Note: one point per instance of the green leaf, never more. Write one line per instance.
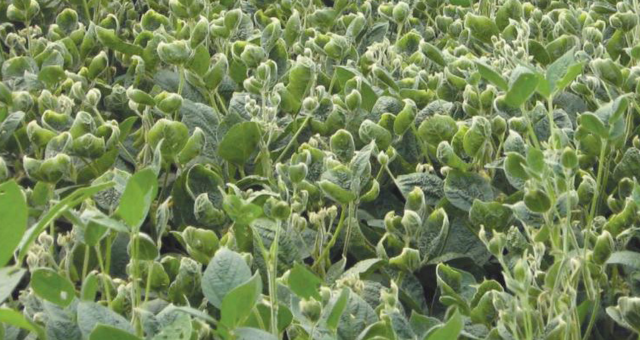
(67, 203)
(90, 287)
(495, 78)
(18, 319)
(535, 160)
(226, 271)
(246, 333)
(91, 314)
(514, 168)
(238, 304)
(304, 283)
(51, 75)
(626, 258)
(300, 80)
(461, 3)
(344, 74)
(562, 72)
(450, 330)
(431, 185)
(13, 219)
(137, 197)
(634, 52)
(462, 188)
(179, 328)
(53, 287)
(421, 324)
(593, 124)
(239, 143)
(105, 332)
(99, 218)
(492, 215)
(10, 277)
(363, 268)
(481, 27)
(109, 38)
(337, 308)
(522, 85)
(239, 210)
(433, 53)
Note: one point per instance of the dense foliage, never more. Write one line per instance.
(306, 169)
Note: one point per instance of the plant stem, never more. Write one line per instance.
(550, 114)
(182, 80)
(334, 238)
(592, 320)
(293, 139)
(222, 104)
(105, 283)
(592, 210)
(273, 273)
(85, 263)
(134, 284)
(85, 9)
(147, 287)
(350, 217)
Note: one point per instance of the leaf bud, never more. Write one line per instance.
(401, 12)
(408, 260)
(297, 172)
(311, 309)
(342, 145)
(177, 52)
(537, 200)
(569, 158)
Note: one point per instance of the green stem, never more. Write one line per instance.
(294, 138)
(96, 12)
(222, 104)
(85, 263)
(592, 319)
(350, 217)
(596, 198)
(134, 285)
(532, 133)
(273, 273)
(147, 287)
(182, 80)
(550, 113)
(334, 238)
(85, 9)
(105, 283)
